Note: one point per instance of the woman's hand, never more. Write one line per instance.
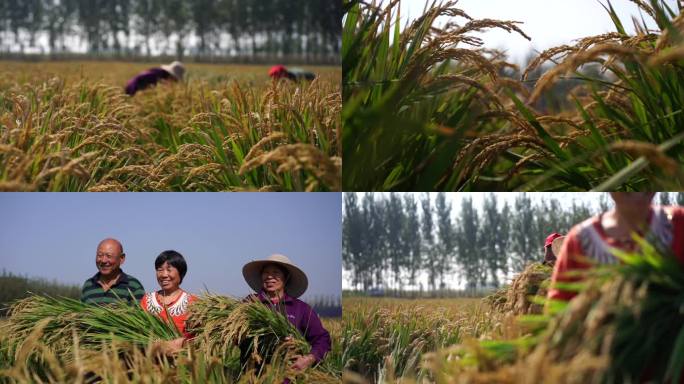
(303, 362)
(168, 347)
(174, 346)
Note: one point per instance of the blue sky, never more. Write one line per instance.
(548, 22)
(55, 235)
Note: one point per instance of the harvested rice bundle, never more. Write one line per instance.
(532, 281)
(62, 318)
(497, 300)
(517, 297)
(223, 323)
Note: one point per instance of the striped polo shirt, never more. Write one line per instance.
(92, 292)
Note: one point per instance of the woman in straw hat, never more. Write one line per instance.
(590, 242)
(278, 284)
(170, 72)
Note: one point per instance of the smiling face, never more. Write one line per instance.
(109, 257)
(273, 279)
(168, 277)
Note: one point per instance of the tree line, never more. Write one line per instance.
(390, 240)
(309, 30)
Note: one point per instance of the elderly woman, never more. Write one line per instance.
(593, 238)
(170, 301)
(278, 284)
(152, 76)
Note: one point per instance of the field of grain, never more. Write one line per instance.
(68, 126)
(625, 325)
(427, 108)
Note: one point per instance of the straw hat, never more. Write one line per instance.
(557, 244)
(177, 69)
(294, 287)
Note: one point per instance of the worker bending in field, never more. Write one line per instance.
(552, 247)
(294, 74)
(593, 239)
(171, 72)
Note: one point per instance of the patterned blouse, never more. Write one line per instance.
(178, 309)
(589, 240)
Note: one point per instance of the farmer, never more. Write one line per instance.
(170, 300)
(294, 74)
(551, 248)
(110, 283)
(171, 72)
(593, 238)
(279, 283)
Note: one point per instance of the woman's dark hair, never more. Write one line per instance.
(174, 259)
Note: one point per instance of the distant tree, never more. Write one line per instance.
(429, 249)
(412, 238)
(522, 237)
(502, 240)
(445, 235)
(352, 238)
(146, 19)
(493, 237)
(374, 245)
(394, 218)
(471, 258)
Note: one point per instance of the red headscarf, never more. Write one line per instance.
(550, 238)
(277, 71)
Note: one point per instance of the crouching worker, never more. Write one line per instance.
(170, 301)
(171, 72)
(278, 284)
(294, 74)
(552, 247)
(593, 239)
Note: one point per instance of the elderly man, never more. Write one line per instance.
(110, 283)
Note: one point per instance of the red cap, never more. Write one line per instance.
(550, 238)
(277, 71)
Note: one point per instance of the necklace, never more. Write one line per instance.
(166, 300)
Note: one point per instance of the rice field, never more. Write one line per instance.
(426, 108)
(68, 126)
(625, 325)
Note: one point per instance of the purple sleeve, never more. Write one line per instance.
(316, 335)
(145, 80)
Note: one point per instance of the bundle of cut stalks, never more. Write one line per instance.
(625, 325)
(517, 297)
(223, 324)
(62, 318)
